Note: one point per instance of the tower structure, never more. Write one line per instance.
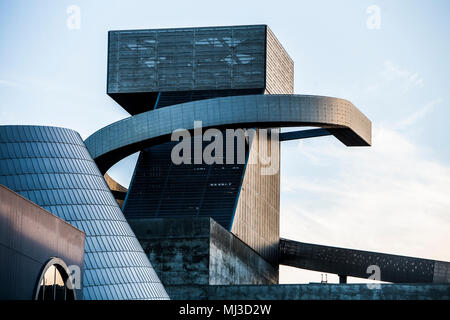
(153, 69)
(208, 229)
(226, 77)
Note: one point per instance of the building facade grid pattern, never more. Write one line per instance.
(213, 58)
(279, 67)
(162, 189)
(52, 167)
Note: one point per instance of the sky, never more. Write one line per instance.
(393, 66)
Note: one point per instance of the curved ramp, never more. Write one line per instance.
(120, 139)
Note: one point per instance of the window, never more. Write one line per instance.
(53, 284)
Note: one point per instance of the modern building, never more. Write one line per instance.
(198, 230)
(154, 69)
(225, 77)
(221, 71)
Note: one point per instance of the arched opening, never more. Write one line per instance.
(54, 282)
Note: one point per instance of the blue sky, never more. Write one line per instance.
(392, 197)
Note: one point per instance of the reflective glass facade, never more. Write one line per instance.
(162, 189)
(161, 67)
(52, 167)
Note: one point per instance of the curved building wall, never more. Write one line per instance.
(52, 167)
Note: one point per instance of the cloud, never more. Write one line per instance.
(418, 115)
(387, 198)
(391, 73)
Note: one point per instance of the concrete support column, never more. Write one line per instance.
(342, 278)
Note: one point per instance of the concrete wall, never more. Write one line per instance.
(318, 292)
(331, 292)
(177, 248)
(233, 262)
(189, 254)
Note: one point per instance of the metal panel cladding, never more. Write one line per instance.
(280, 67)
(149, 69)
(187, 59)
(52, 167)
(29, 238)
